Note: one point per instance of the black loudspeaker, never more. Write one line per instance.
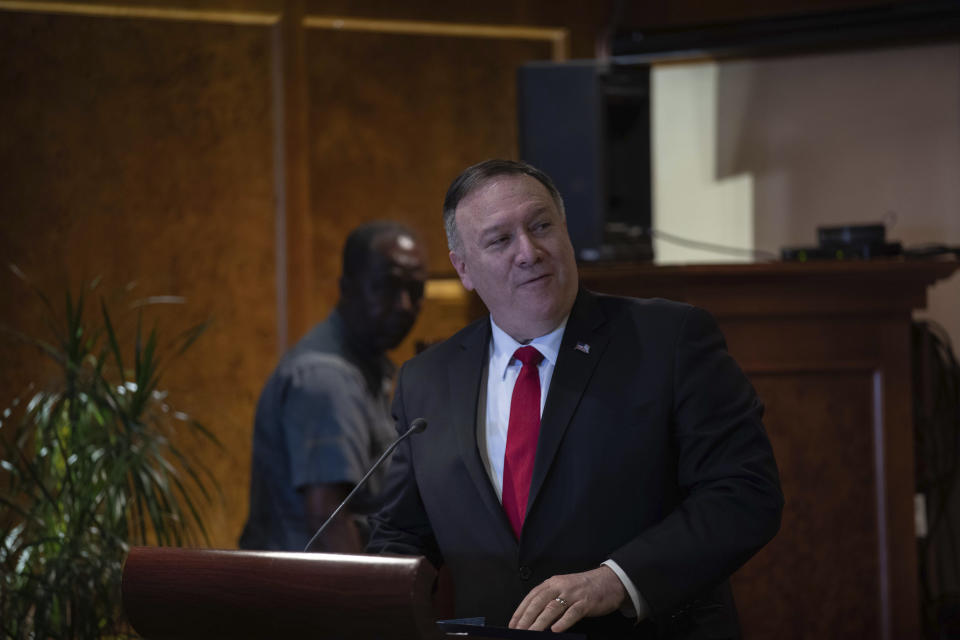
(587, 125)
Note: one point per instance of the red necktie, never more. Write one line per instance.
(522, 433)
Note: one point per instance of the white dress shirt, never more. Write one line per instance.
(502, 372)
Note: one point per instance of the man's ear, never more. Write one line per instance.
(461, 268)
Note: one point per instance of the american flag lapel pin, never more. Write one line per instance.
(583, 346)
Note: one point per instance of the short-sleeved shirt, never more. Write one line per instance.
(322, 418)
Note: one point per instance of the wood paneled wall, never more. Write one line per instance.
(132, 149)
(222, 150)
(384, 142)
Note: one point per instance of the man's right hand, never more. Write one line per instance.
(561, 601)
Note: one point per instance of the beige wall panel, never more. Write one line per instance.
(141, 149)
(392, 120)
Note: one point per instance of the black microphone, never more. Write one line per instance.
(416, 426)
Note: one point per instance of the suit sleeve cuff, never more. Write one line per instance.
(636, 606)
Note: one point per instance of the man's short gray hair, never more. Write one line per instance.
(478, 175)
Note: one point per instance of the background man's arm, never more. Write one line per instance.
(328, 438)
(342, 534)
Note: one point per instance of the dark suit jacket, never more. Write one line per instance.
(651, 453)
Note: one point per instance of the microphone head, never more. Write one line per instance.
(417, 426)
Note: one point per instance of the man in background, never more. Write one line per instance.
(593, 462)
(323, 416)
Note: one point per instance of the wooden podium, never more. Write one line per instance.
(194, 593)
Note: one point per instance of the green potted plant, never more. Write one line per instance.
(90, 467)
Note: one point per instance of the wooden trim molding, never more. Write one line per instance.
(294, 252)
(446, 289)
(559, 38)
(280, 187)
(884, 561)
(153, 13)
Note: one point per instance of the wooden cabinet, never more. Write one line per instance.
(827, 346)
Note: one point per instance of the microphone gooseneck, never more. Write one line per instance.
(417, 426)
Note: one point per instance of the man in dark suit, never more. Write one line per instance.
(593, 463)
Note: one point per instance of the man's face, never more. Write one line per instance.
(383, 302)
(516, 252)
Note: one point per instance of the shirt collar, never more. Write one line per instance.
(502, 346)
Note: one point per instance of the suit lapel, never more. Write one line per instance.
(580, 350)
(464, 371)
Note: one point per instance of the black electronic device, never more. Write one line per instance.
(587, 125)
(845, 242)
(851, 252)
(852, 234)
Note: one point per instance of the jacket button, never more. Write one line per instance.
(525, 573)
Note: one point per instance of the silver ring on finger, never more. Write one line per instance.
(561, 602)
